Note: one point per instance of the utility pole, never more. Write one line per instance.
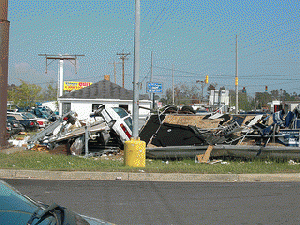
(136, 72)
(115, 70)
(4, 43)
(151, 80)
(123, 57)
(61, 59)
(236, 79)
(173, 102)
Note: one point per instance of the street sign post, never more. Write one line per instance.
(154, 87)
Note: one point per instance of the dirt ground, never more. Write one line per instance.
(11, 149)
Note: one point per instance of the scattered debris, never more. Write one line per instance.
(215, 161)
(173, 133)
(177, 135)
(204, 158)
(292, 162)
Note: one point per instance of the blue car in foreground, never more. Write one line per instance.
(16, 208)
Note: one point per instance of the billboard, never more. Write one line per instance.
(73, 85)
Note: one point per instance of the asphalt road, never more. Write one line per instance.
(134, 202)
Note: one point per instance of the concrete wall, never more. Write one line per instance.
(83, 109)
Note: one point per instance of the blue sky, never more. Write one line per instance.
(196, 37)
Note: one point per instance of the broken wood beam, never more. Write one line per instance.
(204, 158)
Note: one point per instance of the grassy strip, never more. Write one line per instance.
(45, 161)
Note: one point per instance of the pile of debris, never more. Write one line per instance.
(104, 132)
(172, 133)
(245, 135)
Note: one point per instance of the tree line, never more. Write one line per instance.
(187, 95)
(27, 94)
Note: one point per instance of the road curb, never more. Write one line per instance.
(172, 177)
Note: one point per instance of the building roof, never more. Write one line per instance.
(103, 89)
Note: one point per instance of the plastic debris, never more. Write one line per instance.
(292, 162)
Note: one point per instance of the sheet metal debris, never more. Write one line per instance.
(104, 132)
(173, 133)
(244, 135)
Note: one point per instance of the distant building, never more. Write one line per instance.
(218, 99)
(277, 105)
(88, 99)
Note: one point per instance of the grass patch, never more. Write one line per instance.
(45, 161)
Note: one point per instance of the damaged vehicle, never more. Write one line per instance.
(106, 131)
(174, 132)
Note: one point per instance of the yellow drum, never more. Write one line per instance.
(135, 153)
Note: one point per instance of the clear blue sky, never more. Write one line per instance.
(197, 37)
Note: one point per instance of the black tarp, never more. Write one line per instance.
(176, 135)
(151, 127)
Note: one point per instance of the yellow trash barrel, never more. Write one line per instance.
(135, 153)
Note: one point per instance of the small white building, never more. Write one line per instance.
(88, 99)
(219, 99)
(277, 105)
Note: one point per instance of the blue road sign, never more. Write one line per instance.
(154, 87)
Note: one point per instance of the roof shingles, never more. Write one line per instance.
(103, 89)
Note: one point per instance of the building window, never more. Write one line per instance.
(66, 107)
(95, 107)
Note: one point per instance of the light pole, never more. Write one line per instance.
(136, 74)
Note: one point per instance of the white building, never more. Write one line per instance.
(86, 100)
(219, 98)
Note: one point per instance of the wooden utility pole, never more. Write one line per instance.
(115, 70)
(173, 100)
(4, 43)
(151, 80)
(123, 57)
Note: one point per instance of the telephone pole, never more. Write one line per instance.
(4, 41)
(151, 80)
(173, 100)
(123, 57)
(115, 70)
(61, 59)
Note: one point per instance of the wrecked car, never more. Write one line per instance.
(118, 119)
(107, 130)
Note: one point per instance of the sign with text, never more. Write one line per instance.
(73, 85)
(154, 87)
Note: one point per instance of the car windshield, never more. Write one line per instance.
(128, 121)
(46, 113)
(121, 112)
(14, 117)
(28, 115)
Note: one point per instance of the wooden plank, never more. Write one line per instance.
(204, 158)
(193, 120)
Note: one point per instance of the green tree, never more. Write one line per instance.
(246, 102)
(24, 95)
(262, 99)
(50, 93)
(183, 95)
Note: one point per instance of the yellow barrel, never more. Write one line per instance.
(135, 153)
